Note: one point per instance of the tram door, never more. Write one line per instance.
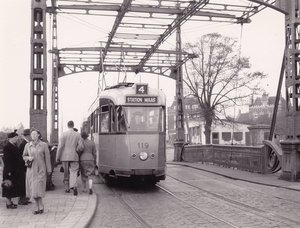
(107, 142)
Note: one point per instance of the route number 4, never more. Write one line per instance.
(142, 89)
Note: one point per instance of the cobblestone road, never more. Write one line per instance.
(208, 200)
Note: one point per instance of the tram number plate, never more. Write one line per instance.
(143, 145)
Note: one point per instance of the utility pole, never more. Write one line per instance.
(179, 141)
(38, 67)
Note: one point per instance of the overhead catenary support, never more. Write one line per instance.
(54, 101)
(179, 140)
(291, 145)
(38, 67)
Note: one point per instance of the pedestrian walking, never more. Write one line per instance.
(66, 153)
(13, 171)
(87, 150)
(50, 185)
(26, 139)
(37, 158)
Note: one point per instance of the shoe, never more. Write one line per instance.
(91, 192)
(36, 212)
(84, 190)
(11, 206)
(67, 191)
(42, 211)
(75, 192)
(22, 203)
(29, 202)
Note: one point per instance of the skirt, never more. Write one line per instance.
(87, 169)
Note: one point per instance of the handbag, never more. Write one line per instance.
(6, 184)
(80, 148)
(28, 163)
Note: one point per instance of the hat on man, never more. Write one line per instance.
(26, 132)
(12, 134)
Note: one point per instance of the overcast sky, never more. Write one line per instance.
(262, 41)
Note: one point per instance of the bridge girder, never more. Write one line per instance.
(136, 35)
(202, 11)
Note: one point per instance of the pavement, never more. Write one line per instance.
(272, 180)
(61, 209)
(66, 210)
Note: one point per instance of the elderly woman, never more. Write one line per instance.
(37, 157)
(87, 159)
(13, 171)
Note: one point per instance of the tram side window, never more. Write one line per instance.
(105, 118)
(96, 121)
(92, 123)
(122, 120)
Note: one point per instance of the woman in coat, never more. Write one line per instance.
(13, 170)
(38, 153)
(87, 159)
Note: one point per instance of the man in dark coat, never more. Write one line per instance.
(13, 170)
(26, 139)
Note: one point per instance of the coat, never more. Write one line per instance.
(14, 164)
(22, 147)
(68, 142)
(88, 149)
(36, 176)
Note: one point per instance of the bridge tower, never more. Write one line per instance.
(38, 67)
(290, 146)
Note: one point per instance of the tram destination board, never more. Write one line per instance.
(141, 100)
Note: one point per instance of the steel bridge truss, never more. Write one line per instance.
(135, 43)
(140, 28)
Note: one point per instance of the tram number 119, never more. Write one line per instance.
(143, 145)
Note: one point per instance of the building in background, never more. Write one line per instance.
(234, 132)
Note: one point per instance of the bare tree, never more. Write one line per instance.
(219, 78)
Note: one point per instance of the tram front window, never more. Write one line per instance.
(143, 118)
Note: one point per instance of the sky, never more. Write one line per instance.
(262, 40)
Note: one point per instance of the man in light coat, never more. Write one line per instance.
(66, 153)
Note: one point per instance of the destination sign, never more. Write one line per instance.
(141, 99)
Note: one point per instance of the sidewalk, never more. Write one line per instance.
(61, 209)
(264, 179)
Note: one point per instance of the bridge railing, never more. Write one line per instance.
(249, 158)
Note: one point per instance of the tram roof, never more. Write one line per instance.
(120, 92)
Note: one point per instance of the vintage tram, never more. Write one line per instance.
(127, 122)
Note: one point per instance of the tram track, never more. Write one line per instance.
(144, 223)
(244, 187)
(130, 210)
(248, 208)
(197, 208)
(189, 198)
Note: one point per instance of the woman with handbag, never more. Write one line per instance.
(13, 172)
(37, 157)
(86, 150)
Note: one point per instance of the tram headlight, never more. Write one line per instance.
(143, 156)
